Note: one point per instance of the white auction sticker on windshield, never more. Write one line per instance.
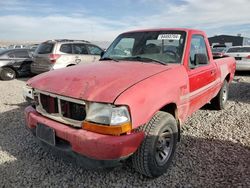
(169, 37)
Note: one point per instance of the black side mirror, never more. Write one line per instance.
(200, 59)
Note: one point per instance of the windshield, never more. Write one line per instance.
(218, 49)
(154, 46)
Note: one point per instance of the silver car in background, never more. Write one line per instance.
(241, 55)
(56, 54)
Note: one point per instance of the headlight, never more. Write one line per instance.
(107, 114)
(107, 119)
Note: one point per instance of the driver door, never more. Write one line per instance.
(201, 77)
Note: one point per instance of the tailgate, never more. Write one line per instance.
(41, 59)
(42, 54)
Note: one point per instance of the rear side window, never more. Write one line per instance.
(45, 48)
(238, 49)
(66, 48)
(79, 49)
(21, 54)
(94, 50)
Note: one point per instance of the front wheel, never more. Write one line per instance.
(7, 74)
(156, 151)
(220, 100)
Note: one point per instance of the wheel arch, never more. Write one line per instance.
(172, 109)
(227, 78)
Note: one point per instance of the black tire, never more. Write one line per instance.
(220, 100)
(156, 152)
(7, 73)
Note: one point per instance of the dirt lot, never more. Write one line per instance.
(214, 151)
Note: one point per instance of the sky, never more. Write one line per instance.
(103, 20)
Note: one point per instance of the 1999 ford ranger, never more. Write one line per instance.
(133, 102)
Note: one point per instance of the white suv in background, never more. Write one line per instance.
(55, 54)
(241, 55)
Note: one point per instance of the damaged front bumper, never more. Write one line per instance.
(96, 149)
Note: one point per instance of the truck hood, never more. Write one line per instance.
(100, 82)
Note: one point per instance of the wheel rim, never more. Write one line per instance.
(224, 95)
(9, 74)
(164, 147)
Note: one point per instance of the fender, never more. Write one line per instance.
(152, 94)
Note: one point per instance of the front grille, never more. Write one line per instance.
(238, 58)
(49, 104)
(64, 109)
(73, 110)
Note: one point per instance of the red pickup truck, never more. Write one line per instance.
(133, 101)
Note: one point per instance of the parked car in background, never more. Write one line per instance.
(56, 54)
(14, 62)
(241, 55)
(219, 52)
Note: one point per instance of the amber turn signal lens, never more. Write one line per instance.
(107, 129)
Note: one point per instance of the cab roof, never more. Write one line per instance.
(166, 29)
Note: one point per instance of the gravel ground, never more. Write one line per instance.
(214, 151)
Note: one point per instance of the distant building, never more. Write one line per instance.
(229, 40)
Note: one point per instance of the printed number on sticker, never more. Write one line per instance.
(169, 37)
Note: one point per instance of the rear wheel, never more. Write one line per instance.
(156, 152)
(220, 100)
(7, 73)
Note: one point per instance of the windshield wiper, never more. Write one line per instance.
(108, 58)
(146, 59)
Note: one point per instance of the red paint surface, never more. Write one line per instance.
(145, 88)
(101, 82)
(93, 145)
